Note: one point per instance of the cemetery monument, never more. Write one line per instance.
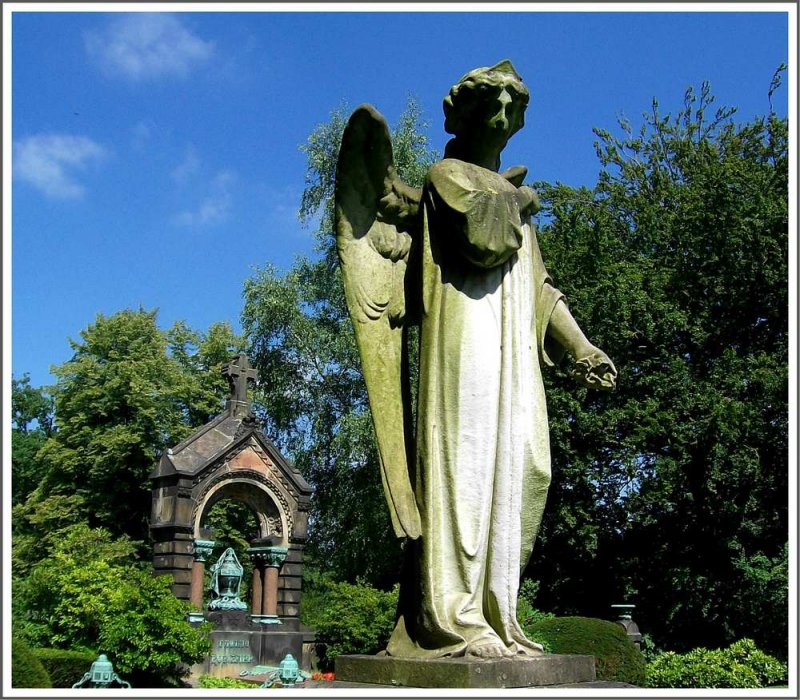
(467, 486)
(231, 458)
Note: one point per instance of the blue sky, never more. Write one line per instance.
(156, 156)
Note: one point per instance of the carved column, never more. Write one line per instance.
(255, 602)
(202, 550)
(267, 562)
(257, 559)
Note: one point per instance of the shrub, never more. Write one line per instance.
(770, 671)
(349, 618)
(649, 648)
(26, 670)
(146, 627)
(742, 665)
(527, 612)
(206, 681)
(88, 595)
(65, 667)
(616, 657)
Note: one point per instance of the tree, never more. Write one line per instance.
(674, 488)
(129, 391)
(303, 346)
(201, 357)
(31, 424)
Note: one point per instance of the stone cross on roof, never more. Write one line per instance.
(239, 372)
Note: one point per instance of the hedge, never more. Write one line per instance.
(65, 667)
(26, 670)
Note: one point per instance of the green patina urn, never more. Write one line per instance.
(226, 581)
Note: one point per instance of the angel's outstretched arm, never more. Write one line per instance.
(593, 367)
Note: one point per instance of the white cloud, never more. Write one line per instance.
(214, 208)
(187, 167)
(141, 135)
(140, 46)
(51, 162)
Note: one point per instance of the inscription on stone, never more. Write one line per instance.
(231, 651)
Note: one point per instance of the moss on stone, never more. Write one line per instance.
(616, 657)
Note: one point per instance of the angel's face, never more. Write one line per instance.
(499, 112)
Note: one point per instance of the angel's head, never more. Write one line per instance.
(488, 104)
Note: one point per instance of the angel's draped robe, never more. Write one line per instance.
(483, 453)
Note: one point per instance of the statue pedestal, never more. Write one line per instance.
(466, 672)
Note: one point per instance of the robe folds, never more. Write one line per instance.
(482, 466)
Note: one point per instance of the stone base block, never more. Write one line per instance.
(238, 644)
(466, 672)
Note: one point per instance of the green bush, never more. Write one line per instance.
(349, 618)
(26, 670)
(65, 667)
(742, 665)
(649, 648)
(216, 682)
(616, 657)
(527, 612)
(89, 595)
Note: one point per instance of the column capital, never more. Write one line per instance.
(268, 556)
(203, 549)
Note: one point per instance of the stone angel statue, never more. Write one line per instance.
(467, 486)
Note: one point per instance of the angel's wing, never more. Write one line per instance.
(375, 216)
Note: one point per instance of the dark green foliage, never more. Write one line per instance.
(616, 657)
(348, 618)
(32, 424)
(303, 345)
(648, 648)
(65, 667)
(742, 665)
(672, 491)
(527, 612)
(26, 670)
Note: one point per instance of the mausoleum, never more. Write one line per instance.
(231, 458)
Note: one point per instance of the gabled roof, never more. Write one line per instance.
(214, 442)
(226, 434)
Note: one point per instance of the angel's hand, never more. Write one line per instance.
(595, 370)
(528, 201)
(527, 198)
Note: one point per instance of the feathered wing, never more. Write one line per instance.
(375, 222)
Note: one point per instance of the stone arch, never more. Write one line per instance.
(257, 493)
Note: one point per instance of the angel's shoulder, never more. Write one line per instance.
(451, 173)
(448, 167)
